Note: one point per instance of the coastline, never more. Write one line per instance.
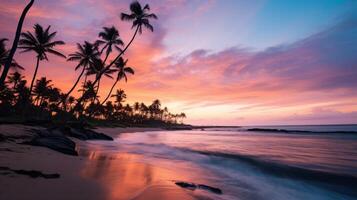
(80, 176)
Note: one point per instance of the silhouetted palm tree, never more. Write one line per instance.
(85, 56)
(110, 38)
(136, 107)
(154, 109)
(88, 91)
(122, 72)
(182, 116)
(41, 89)
(98, 70)
(41, 43)
(9, 61)
(140, 17)
(15, 78)
(4, 55)
(120, 96)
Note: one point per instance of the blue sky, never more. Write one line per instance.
(255, 24)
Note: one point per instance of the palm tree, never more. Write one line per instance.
(182, 116)
(136, 107)
(41, 43)
(120, 96)
(155, 107)
(4, 55)
(71, 100)
(110, 38)
(15, 78)
(98, 70)
(140, 17)
(9, 61)
(122, 73)
(41, 89)
(85, 56)
(88, 91)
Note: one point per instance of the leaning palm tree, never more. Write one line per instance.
(41, 43)
(122, 72)
(110, 38)
(140, 17)
(85, 56)
(15, 43)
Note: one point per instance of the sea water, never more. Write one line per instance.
(281, 162)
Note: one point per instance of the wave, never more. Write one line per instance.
(297, 131)
(343, 183)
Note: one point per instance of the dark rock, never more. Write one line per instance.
(179, 127)
(55, 141)
(186, 185)
(30, 173)
(211, 189)
(87, 134)
(61, 144)
(6, 149)
(92, 135)
(35, 174)
(2, 138)
(193, 186)
(77, 134)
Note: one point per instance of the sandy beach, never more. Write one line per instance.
(87, 176)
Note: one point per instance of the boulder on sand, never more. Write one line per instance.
(193, 186)
(55, 141)
(84, 134)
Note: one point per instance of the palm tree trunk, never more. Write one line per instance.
(105, 59)
(34, 75)
(77, 81)
(85, 80)
(110, 92)
(14, 44)
(107, 67)
(96, 92)
(121, 53)
(74, 86)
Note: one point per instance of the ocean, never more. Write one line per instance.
(260, 162)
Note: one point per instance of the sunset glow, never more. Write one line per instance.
(220, 62)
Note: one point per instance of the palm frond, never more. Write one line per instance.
(152, 15)
(146, 7)
(118, 48)
(127, 17)
(56, 53)
(52, 44)
(149, 26)
(135, 7)
(129, 70)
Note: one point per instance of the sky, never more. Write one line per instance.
(231, 62)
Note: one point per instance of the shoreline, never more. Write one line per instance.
(78, 176)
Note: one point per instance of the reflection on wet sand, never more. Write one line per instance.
(122, 176)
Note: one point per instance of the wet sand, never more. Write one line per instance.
(90, 175)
